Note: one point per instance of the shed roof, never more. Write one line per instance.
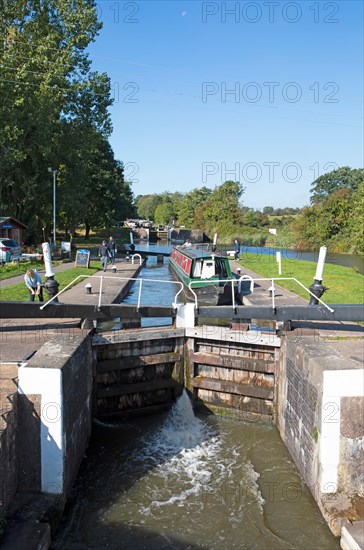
(4, 219)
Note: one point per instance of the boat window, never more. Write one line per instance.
(208, 269)
(197, 269)
(221, 268)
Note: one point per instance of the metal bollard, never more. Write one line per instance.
(88, 288)
(51, 288)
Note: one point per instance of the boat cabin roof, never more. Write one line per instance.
(198, 253)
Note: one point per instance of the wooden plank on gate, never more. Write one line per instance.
(149, 385)
(125, 363)
(233, 362)
(247, 390)
(135, 335)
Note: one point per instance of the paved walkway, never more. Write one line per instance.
(21, 338)
(347, 338)
(261, 297)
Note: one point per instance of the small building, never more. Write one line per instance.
(11, 228)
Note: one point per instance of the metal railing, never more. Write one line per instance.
(233, 282)
(240, 280)
(102, 277)
(136, 256)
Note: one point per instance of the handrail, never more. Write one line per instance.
(271, 279)
(232, 281)
(296, 281)
(134, 256)
(246, 278)
(102, 277)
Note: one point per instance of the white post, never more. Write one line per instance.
(47, 260)
(54, 209)
(131, 237)
(320, 264)
(54, 172)
(215, 238)
(279, 260)
(185, 315)
(47, 383)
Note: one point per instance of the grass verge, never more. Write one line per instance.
(345, 284)
(19, 293)
(19, 268)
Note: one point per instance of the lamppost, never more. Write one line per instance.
(54, 172)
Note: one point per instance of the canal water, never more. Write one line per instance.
(178, 481)
(348, 260)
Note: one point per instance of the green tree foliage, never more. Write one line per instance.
(342, 178)
(336, 222)
(54, 113)
(250, 219)
(164, 213)
(356, 221)
(223, 208)
(188, 204)
(146, 206)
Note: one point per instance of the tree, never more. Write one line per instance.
(308, 228)
(268, 210)
(250, 219)
(223, 205)
(188, 204)
(342, 178)
(146, 206)
(164, 213)
(336, 222)
(54, 113)
(356, 226)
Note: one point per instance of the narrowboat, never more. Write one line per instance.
(208, 273)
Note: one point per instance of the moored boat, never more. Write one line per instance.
(207, 274)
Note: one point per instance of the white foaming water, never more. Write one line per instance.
(186, 463)
(182, 429)
(187, 483)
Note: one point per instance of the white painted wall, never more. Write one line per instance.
(48, 384)
(336, 384)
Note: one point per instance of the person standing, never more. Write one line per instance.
(104, 254)
(237, 249)
(111, 245)
(33, 282)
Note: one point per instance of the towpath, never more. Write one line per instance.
(21, 338)
(347, 338)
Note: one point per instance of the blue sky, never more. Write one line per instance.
(265, 92)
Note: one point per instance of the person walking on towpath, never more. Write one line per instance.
(33, 282)
(111, 245)
(104, 254)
